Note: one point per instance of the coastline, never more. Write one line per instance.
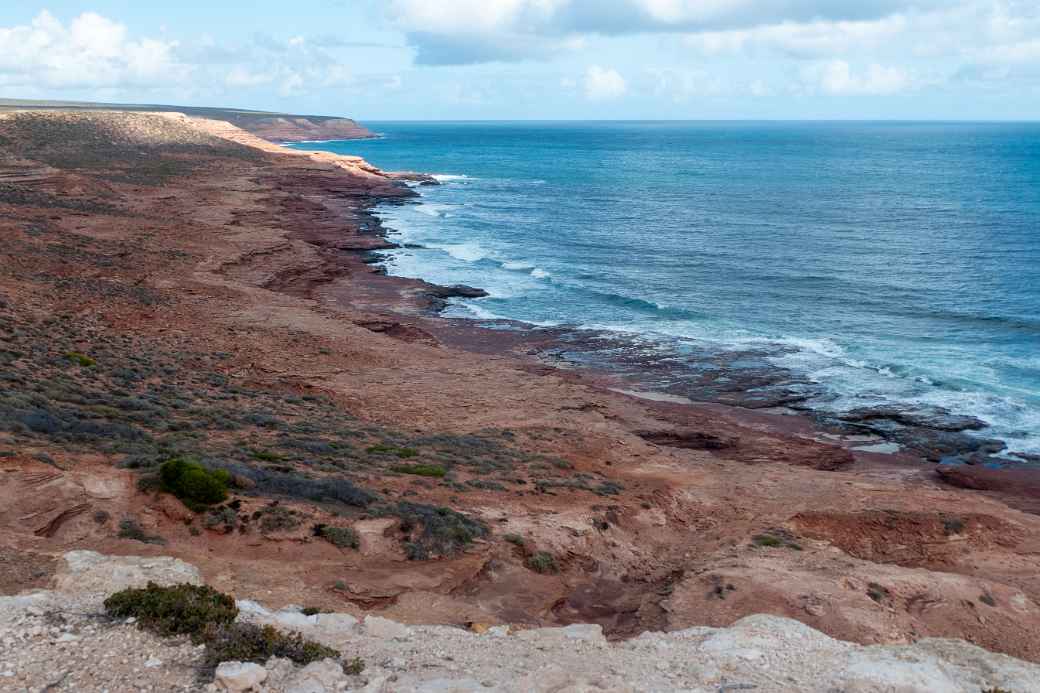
(745, 378)
(651, 508)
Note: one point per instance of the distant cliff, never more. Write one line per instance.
(276, 127)
(289, 128)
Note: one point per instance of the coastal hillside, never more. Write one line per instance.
(205, 366)
(276, 127)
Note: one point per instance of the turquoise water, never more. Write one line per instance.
(882, 262)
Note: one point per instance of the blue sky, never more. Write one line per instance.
(541, 59)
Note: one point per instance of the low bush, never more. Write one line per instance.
(177, 610)
(766, 540)
(403, 453)
(129, 529)
(775, 539)
(542, 562)
(953, 526)
(225, 518)
(295, 486)
(208, 617)
(275, 518)
(341, 537)
(432, 530)
(81, 360)
(247, 642)
(434, 470)
(196, 486)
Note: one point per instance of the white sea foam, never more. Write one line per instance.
(481, 313)
(449, 177)
(517, 266)
(470, 251)
(539, 273)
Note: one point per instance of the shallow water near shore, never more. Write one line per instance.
(867, 263)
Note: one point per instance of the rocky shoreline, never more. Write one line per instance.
(746, 379)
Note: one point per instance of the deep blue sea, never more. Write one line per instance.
(885, 262)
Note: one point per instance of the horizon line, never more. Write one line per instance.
(362, 119)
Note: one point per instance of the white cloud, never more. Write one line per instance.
(801, 40)
(91, 52)
(95, 53)
(470, 31)
(837, 77)
(604, 83)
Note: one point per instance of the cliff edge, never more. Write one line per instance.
(272, 126)
(58, 640)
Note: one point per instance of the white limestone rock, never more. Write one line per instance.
(325, 676)
(236, 677)
(378, 627)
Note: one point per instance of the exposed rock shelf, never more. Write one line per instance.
(55, 640)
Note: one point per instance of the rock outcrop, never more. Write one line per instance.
(762, 653)
(288, 128)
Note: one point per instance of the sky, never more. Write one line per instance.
(537, 59)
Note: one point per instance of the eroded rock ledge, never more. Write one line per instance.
(57, 640)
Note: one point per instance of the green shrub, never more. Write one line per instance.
(766, 540)
(542, 562)
(403, 453)
(341, 537)
(275, 518)
(226, 516)
(177, 610)
(129, 529)
(952, 526)
(208, 617)
(247, 642)
(431, 530)
(81, 360)
(434, 470)
(877, 592)
(776, 539)
(515, 539)
(196, 486)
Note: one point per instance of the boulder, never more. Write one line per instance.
(337, 624)
(578, 632)
(292, 619)
(378, 627)
(91, 572)
(325, 676)
(456, 291)
(239, 676)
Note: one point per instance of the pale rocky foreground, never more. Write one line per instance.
(56, 640)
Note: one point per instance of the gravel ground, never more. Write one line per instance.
(61, 645)
(60, 641)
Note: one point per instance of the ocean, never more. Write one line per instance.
(871, 263)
